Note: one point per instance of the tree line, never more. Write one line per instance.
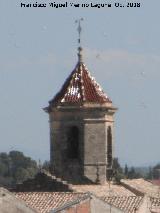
(15, 167)
(119, 172)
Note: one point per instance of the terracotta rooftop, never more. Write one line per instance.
(103, 190)
(142, 186)
(156, 182)
(44, 202)
(10, 204)
(128, 204)
(80, 87)
(155, 204)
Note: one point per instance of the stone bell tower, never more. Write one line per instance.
(81, 128)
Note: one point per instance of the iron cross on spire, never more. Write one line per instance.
(79, 29)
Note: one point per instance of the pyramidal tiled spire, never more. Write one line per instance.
(80, 87)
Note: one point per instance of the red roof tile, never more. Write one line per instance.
(127, 204)
(140, 185)
(105, 190)
(156, 182)
(155, 204)
(44, 202)
(80, 87)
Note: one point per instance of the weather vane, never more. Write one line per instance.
(79, 29)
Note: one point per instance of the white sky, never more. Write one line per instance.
(121, 50)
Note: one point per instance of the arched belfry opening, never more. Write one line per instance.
(109, 147)
(73, 143)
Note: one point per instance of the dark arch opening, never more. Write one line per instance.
(109, 147)
(73, 143)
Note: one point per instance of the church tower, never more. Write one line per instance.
(81, 128)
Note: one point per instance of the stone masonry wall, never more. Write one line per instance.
(92, 124)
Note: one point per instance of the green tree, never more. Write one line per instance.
(150, 174)
(3, 169)
(132, 174)
(126, 171)
(4, 161)
(46, 166)
(15, 168)
(117, 171)
(21, 174)
(156, 172)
